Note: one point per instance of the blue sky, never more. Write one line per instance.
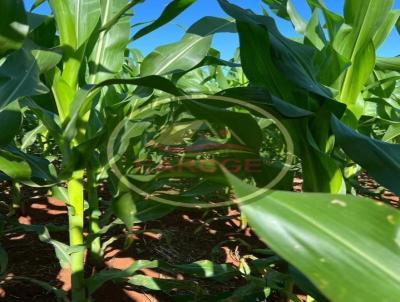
(226, 43)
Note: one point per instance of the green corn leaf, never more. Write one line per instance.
(133, 209)
(64, 16)
(14, 166)
(25, 167)
(122, 12)
(314, 32)
(13, 25)
(387, 27)
(392, 133)
(36, 4)
(261, 42)
(341, 243)
(305, 284)
(329, 65)
(298, 22)
(131, 130)
(261, 97)
(286, 10)
(208, 60)
(173, 9)
(380, 159)
(333, 21)
(85, 96)
(47, 59)
(355, 41)
(30, 137)
(76, 20)
(388, 64)
(164, 285)
(42, 30)
(107, 56)
(86, 15)
(11, 119)
(36, 20)
(279, 7)
(188, 52)
(61, 249)
(234, 120)
(203, 269)
(16, 83)
(94, 282)
(48, 118)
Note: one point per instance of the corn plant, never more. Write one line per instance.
(62, 80)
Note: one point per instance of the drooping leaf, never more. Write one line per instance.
(61, 249)
(380, 159)
(332, 239)
(14, 83)
(49, 119)
(25, 167)
(271, 60)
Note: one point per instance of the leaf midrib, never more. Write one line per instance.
(77, 21)
(195, 41)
